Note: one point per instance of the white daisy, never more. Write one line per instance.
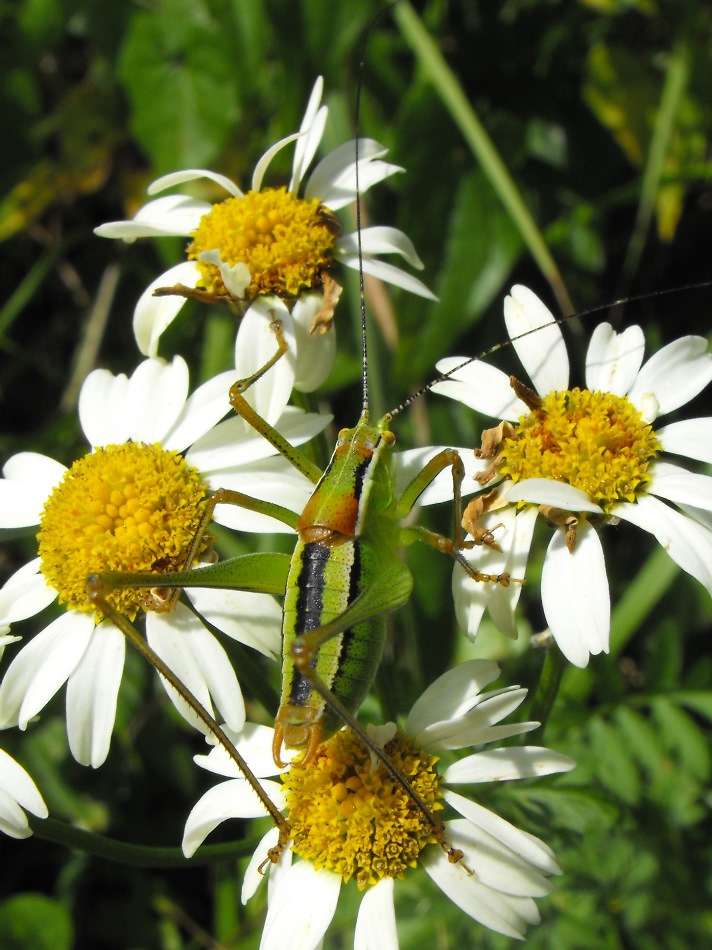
(582, 458)
(278, 242)
(350, 819)
(17, 792)
(133, 504)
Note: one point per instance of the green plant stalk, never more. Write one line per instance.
(454, 99)
(546, 691)
(136, 855)
(671, 100)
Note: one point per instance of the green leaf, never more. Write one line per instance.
(641, 738)
(684, 738)
(179, 74)
(34, 921)
(481, 250)
(615, 766)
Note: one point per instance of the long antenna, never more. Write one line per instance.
(362, 298)
(572, 316)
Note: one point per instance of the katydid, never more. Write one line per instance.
(344, 577)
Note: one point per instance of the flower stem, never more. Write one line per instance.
(450, 91)
(136, 855)
(546, 691)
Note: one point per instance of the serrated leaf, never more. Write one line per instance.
(699, 701)
(684, 738)
(642, 739)
(571, 808)
(615, 768)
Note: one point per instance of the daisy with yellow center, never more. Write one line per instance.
(272, 243)
(133, 504)
(582, 457)
(353, 825)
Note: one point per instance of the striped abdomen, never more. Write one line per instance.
(323, 581)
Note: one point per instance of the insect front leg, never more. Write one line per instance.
(455, 545)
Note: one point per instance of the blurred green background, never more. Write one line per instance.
(600, 112)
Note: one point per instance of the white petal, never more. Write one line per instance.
(42, 666)
(236, 277)
(542, 350)
(527, 846)
(613, 359)
(255, 345)
(504, 765)
(29, 480)
(452, 694)
(196, 657)
(495, 864)
(496, 911)
(172, 214)
(388, 273)
(102, 408)
(315, 351)
(24, 594)
(472, 597)
(678, 485)
(376, 921)
(252, 877)
(410, 463)
(13, 820)
(264, 161)
(272, 481)
(38, 470)
(689, 544)
(503, 602)
(192, 174)
(92, 692)
(310, 133)
(156, 397)
(381, 240)
(690, 437)
(154, 314)
(674, 375)
(202, 411)
(547, 491)
(252, 619)
(232, 799)
(333, 181)
(301, 908)
(480, 386)
(476, 727)
(575, 596)
(255, 746)
(15, 781)
(233, 446)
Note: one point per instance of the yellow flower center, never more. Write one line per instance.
(130, 507)
(353, 818)
(285, 241)
(592, 440)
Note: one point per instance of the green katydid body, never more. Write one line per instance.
(348, 537)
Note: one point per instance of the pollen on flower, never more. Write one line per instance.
(130, 507)
(356, 820)
(595, 441)
(285, 241)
